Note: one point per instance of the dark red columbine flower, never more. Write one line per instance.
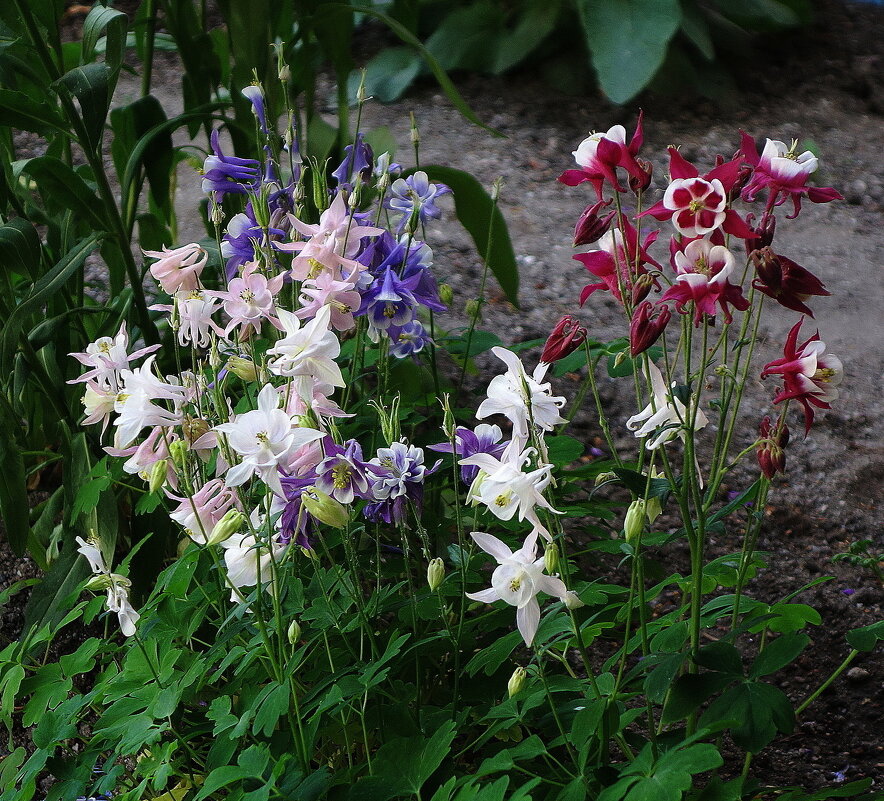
(591, 227)
(648, 322)
(788, 283)
(698, 205)
(764, 232)
(810, 375)
(619, 252)
(771, 448)
(784, 172)
(600, 154)
(565, 338)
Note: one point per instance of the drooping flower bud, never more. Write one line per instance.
(601, 478)
(771, 450)
(294, 632)
(226, 527)
(551, 558)
(446, 294)
(194, 427)
(640, 181)
(242, 368)
(325, 508)
(572, 600)
(517, 682)
(590, 226)
(99, 582)
(158, 474)
(641, 287)
(788, 283)
(178, 451)
(435, 573)
(473, 309)
(648, 322)
(635, 519)
(565, 338)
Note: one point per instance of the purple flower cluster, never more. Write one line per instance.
(484, 439)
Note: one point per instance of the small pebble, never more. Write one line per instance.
(857, 674)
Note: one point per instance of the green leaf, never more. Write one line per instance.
(113, 23)
(478, 213)
(759, 710)
(779, 653)
(491, 658)
(564, 449)
(535, 24)
(692, 690)
(468, 37)
(13, 492)
(865, 638)
(50, 284)
(388, 74)
(272, 708)
(20, 248)
(721, 656)
(23, 112)
(405, 763)
(61, 187)
(91, 86)
(628, 40)
(480, 342)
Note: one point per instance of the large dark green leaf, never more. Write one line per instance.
(13, 494)
(18, 110)
(91, 86)
(48, 285)
(759, 711)
(468, 38)
(628, 41)
(113, 24)
(480, 216)
(779, 653)
(389, 74)
(61, 187)
(20, 248)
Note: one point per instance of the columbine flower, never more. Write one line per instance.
(564, 339)
(340, 297)
(194, 317)
(484, 439)
(249, 300)
(357, 164)
(397, 479)
(506, 490)
(255, 96)
(698, 205)
(389, 301)
(107, 357)
(308, 351)
(179, 268)
(342, 474)
(198, 514)
(810, 375)
(590, 227)
(517, 579)
(134, 403)
(249, 561)
(648, 323)
(117, 587)
(666, 414)
(788, 283)
(784, 171)
(703, 270)
(229, 174)
(599, 155)
(520, 397)
(408, 340)
(264, 438)
(619, 253)
(414, 198)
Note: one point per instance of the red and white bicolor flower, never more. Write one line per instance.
(702, 278)
(810, 375)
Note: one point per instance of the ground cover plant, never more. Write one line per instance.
(326, 627)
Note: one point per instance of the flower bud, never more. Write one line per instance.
(590, 227)
(601, 478)
(635, 519)
(551, 558)
(517, 682)
(449, 423)
(648, 322)
(226, 527)
(178, 451)
(474, 309)
(638, 183)
(242, 368)
(572, 600)
(771, 449)
(565, 338)
(158, 474)
(619, 359)
(435, 573)
(99, 582)
(294, 632)
(446, 294)
(788, 283)
(324, 508)
(641, 288)
(361, 95)
(193, 428)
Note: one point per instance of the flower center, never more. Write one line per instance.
(341, 475)
(341, 307)
(316, 267)
(104, 347)
(516, 583)
(502, 499)
(695, 205)
(825, 374)
(122, 397)
(247, 295)
(389, 310)
(262, 437)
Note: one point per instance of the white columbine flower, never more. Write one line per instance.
(520, 397)
(517, 579)
(246, 559)
(308, 350)
(134, 403)
(117, 587)
(506, 490)
(264, 438)
(666, 413)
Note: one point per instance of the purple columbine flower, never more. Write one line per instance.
(255, 96)
(356, 166)
(484, 439)
(238, 243)
(407, 340)
(397, 479)
(229, 174)
(389, 301)
(295, 523)
(342, 474)
(415, 195)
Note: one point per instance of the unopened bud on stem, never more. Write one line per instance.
(226, 527)
(158, 474)
(435, 573)
(517, 682)
(635, 520)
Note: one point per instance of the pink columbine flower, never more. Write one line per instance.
(307, 351)
(619, 252)
(179, 268)
(198, 514)
(599, 155)
(784, 171)
(698, 205)
(810, 375)
(264, 438)
(107, 356)
(703, 270)
(135, 407)
(249, 300)
(194, 317)
(648, 323)
(340, 297)
(788, 283)
(517, 579)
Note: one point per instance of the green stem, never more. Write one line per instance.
(822, 688)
